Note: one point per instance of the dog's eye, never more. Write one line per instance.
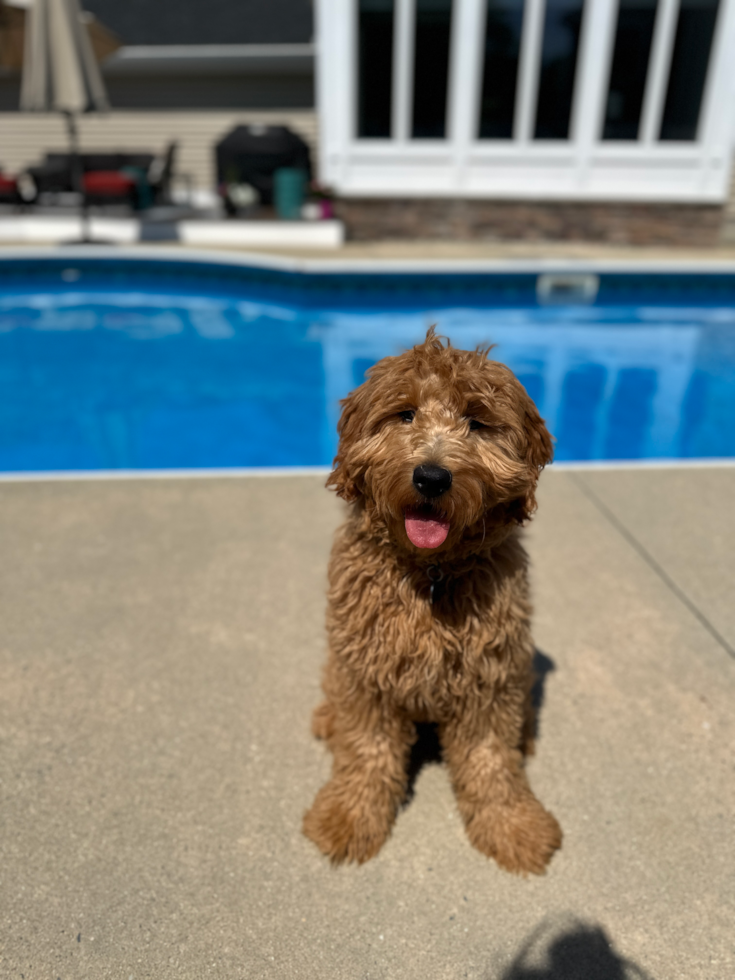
(407, 416)
(474, 424)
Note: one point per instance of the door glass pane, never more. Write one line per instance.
(375, 68)
(629, 69)
(500, 72)
(562, 27)
(431, 68)
(690, 58)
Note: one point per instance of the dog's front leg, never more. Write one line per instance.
(354, 812)
(503, 818)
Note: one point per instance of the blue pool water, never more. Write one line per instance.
(114, 363)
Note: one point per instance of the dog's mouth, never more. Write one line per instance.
(425, 528)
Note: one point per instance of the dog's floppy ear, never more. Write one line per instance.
(540, 449)
(539, 452)
(346, 474)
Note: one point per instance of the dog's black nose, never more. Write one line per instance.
(431, 481)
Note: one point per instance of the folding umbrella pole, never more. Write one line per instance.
(77, 169)
(61, 74)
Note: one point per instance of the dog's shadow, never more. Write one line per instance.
(427, 748)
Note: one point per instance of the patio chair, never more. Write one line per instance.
(107, 177)
(117, 178)
(136, 179)
(105, 186)
(8, 189)
(160, 174)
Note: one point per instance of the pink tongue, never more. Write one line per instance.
(426, 531)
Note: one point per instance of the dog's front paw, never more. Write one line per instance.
(521, 837)
(345, 831)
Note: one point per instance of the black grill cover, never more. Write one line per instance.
(251, 155)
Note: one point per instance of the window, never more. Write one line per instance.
(503, 26)
(525, 98)
(560, 46)
(694, 32)
(375, 68)
(629, 70)
(431, 68)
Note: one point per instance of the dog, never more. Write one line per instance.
(428, 611)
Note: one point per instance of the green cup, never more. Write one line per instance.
(289, 185)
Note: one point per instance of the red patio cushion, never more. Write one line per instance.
(108, 182)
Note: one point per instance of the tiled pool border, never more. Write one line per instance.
(307, 280)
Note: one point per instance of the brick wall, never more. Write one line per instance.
(693, 225)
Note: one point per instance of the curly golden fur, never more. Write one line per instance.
(438, 631)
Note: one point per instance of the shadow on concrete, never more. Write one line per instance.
(427, 748)
(426, 751)
(542, 667)
(576, 951)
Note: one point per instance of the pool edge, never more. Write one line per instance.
(285, 263)
(247, 472)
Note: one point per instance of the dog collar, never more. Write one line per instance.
(436, 577)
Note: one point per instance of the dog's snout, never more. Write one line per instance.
(431, 480)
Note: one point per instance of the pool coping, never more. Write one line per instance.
(247, 472)
(316, 266)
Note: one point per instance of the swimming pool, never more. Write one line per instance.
(115, 362)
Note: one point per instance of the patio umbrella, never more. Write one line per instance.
(60, 72)
(13, 29)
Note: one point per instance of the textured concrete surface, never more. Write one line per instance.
(418, 250)
(159, 658)
(691, 537)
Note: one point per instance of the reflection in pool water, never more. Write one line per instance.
(126, 379)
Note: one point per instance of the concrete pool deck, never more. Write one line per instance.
(161, 647)
(432, 250)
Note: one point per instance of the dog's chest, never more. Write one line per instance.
(425, 655)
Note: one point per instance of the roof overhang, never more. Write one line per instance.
(209, 59)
